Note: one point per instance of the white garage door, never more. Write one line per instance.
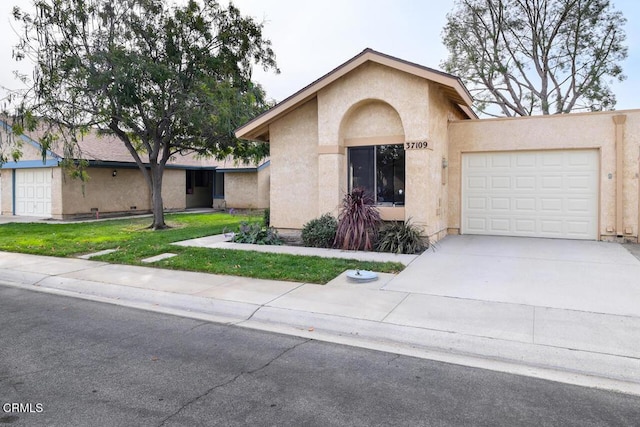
(531, 193)
(33, 192)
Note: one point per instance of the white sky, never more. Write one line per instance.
(310, 38)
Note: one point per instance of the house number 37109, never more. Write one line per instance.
(416, 145)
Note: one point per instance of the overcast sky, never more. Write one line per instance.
(310, 38)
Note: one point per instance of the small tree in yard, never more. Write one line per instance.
(163, 79)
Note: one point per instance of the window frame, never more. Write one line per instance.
(374, 173)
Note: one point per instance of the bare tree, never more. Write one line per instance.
(524, 57)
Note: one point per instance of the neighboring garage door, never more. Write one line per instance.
(33, 192)
(531, 193)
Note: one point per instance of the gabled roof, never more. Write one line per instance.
(452, 86)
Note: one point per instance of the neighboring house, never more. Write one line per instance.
(33, 187)
(407, 133)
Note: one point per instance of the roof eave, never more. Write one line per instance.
(258, 128)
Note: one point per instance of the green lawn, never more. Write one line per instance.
(135, 242)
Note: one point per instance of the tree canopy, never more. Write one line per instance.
(524, 57)
(164, 79)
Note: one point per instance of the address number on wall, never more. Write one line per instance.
(416, 145)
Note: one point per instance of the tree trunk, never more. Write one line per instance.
(156, 198)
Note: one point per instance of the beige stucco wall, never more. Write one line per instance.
(371, 105)
(372, 102)
(174, 189)
(247, 190)
(573, 131)
(264, 187)
(125, 192)
(294, 168)
(428, 187)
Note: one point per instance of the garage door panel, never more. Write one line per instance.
(551, 160)
(33, 192)
(500, 224)
(551, 205)
(525, 205)
(499, 161)
(525, 183)
(524, 225)
(478, 182)
(579, 159)
(477, 203)
(500, 182)
(500, 204)
(525, 160)
(551, 182)
(476, 224)
(543, 194)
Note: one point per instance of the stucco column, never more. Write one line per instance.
(619, 125)
(331, 178)
(419, 189)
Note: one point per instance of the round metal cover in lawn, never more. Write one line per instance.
(361, 276)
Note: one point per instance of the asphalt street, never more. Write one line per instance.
(71, 362)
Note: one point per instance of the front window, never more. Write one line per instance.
(379, 169)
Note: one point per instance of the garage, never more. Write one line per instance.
(550, 194)
(33, 192)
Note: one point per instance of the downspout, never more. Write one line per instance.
(619, 121)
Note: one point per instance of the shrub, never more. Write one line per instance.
(402, 238)
(254, 233)
(320, 232)
(358, 222)
(266, 217)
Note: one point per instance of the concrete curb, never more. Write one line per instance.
(226, 312)
(598, 370)
(583, 368)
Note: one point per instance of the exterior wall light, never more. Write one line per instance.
(114, 173)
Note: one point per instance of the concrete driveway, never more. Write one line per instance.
(588, 276)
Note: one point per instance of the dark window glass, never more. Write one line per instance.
(390, 174)
(380, 170)
(218, 191)
(362, 168)
(189, 182)
(202, 178)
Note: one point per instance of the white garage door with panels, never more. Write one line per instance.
(33, 192)
(531, 193)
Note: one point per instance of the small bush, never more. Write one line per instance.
(255, 234)
(402, 238)
(358, 222)
(266, 217)
(320, 232)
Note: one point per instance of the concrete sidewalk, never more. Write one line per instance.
(411, 314)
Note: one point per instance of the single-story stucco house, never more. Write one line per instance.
(33, 186)
(407, 133)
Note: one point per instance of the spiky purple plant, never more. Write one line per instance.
(358, 222)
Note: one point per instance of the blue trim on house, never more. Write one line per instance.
(256, 169)
(31, 164)
(190, 168)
